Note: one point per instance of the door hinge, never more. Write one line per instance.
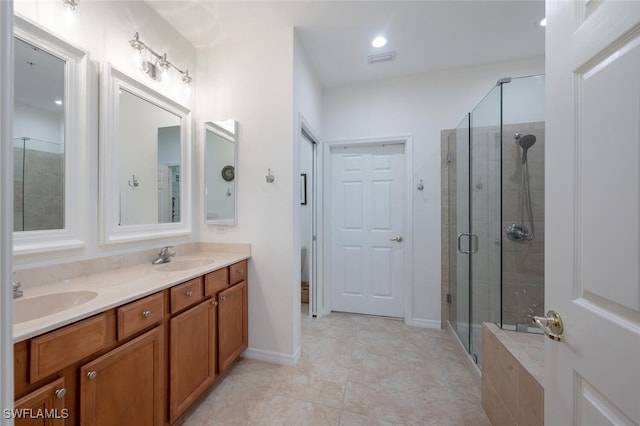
(448, 157)
(314, 238)
(449, 298)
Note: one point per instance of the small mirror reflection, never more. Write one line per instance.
(149, 162)
(220, 163)
(39, 141)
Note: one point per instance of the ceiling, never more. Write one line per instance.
(425, 35)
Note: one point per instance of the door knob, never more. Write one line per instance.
(551, 325)
(397, 239)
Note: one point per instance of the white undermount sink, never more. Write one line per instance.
(183, 265)
(48, 304)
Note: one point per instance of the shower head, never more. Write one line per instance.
(525, 142)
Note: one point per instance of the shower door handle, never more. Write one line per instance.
(474, 247)
(472, 236)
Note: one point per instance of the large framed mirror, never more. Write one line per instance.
(51, 91)
(144, 159)
(220, 149)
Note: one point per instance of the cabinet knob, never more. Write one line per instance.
(190, 293)
(223, 298)
(60, 393)
(241, 271)
(91, 375)
(215, 303)
(146, 314)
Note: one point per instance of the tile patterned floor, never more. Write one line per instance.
(354, 370)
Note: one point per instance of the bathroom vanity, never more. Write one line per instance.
(142, 362)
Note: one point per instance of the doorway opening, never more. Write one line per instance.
(309, 221)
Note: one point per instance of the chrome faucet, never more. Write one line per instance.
(16, 289)
(165, 255)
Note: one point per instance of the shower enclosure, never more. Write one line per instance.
(495, 162)
(38, 184)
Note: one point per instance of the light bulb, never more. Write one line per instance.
(379, 41)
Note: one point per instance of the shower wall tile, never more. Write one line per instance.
(522, 262)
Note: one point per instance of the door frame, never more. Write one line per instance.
(6, 207)
(407, 141)
(315, 185)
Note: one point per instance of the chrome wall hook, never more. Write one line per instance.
(420, 185)
(133, 183)
(269, 177)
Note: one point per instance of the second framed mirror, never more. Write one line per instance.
(220, 149)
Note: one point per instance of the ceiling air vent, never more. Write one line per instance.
(383, 57)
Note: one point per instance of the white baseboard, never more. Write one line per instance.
(273, 357)
(423, 323)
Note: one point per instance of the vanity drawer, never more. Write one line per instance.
(216, 281)
(238, 272)
(186, 294)
(139, 315)
(56, 350)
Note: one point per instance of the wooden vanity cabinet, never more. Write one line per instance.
(192, 355)
(143, 363)
(125, 386)
(232, 324)
(44, 406)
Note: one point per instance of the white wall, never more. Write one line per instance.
(250, 80)
(307, 105)
(104, 29)
(422, 106)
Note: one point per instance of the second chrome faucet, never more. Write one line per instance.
(165, 255)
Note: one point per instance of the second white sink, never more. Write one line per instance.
(48, 304)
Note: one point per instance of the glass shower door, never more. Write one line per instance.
(459, 273)
(485, 217)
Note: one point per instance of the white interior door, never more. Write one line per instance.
(592, 376)
(367, 214)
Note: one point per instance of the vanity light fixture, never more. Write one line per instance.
(159, 68)
(70, 4)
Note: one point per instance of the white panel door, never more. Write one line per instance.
(592, 376)
(367, 213)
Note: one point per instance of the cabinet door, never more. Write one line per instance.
(232, 324)
(124, 386)
(193, 355)
(42, 407)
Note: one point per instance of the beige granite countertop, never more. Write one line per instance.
(119, 286)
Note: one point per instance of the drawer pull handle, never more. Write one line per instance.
(60, 393)
(146, 314)
(91, 375)
(190, 293)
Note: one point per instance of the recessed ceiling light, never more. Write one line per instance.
(379, 41)
(543, 22)
(58, 102)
